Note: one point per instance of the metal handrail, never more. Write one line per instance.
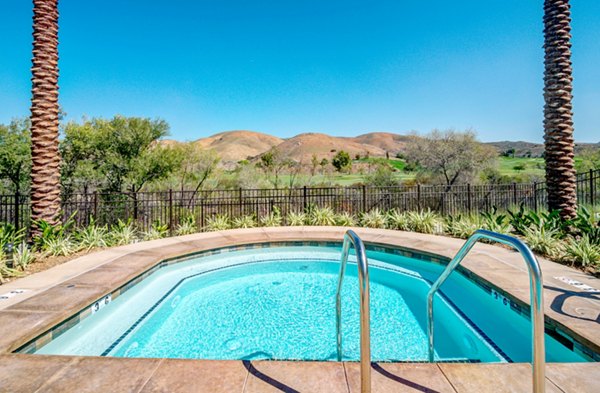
(536, 298)
(365, 324)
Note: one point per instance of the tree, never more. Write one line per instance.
(558, 109)
(274, 164)
(45, 169)
(382, 176)
(15, 154)
(341, 161)
(119, 154)
(449, 156)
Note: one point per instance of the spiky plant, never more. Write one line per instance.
(543, 241)
(397, 220)
(345, 219)
(122, 233)
(187, 226)
(59, 247)
(156, 231)
(462, 226)
(558, 109)
(244, 222)
(425, 221)
(273, 219)
(22, 256)
(220, 222)
(296, 219)
(373, 219)
(92, 236)
(581, 252)
(45, 169)
(324, 216)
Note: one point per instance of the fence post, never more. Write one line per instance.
(241, 201)
(135, 203)
(171, 210)
(514, 193)
(304, 199)
(469, 202)
(17, 210)
(96, 205)
(202, 213)
(535, 196)
(418, 196)
(592, 199)
(364, 199)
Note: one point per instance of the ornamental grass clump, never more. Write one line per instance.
(187, 226)
(461, 226)
(22, 256)
(322, 216)
(544, 241)
(345, 219)
(122, 233)
(92, 236)
(244, 222)
(581, 252)
(374, 219)
(425, 221)
(397, 220)
(59, 247)
(296, 219)
(220, 222)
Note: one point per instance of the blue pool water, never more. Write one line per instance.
(279, 303)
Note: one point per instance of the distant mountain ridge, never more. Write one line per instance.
(237, 145)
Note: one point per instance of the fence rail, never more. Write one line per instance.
(170, 207)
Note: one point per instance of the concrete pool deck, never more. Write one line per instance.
(41, 301)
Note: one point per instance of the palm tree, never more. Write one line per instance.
(558, 111)
(45, 171)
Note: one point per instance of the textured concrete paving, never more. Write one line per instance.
(52, 296)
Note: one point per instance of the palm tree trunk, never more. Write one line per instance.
(45, 171)
(558, 111)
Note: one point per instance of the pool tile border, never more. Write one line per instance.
(516, 305)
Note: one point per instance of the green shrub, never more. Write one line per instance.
(462, 227)
(272, 219)
(543, 241)
(581, 252)
(244, 222)
(345, 219)
(220, 222)
(22, 256)
(122, 233)
(324, 216)
(9, 235)
(495, 222)
(52, 232)
(92, 236)
(187, 226)
(296, 219)
(373, 219)
(59, 247)
(397, 220)
(425, 221)
(156, 231)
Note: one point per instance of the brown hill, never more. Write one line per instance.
(234, 146)
(529, 149)
(386, 141)
(302, 147)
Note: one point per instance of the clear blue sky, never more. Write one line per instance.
(286, 67)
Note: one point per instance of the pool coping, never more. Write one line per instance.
(54, 295)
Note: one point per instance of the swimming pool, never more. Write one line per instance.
(279, 303)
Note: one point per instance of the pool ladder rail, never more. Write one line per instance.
(536, 298)
(365, 322)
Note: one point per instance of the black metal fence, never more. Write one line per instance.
(170, 207)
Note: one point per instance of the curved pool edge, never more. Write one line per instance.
(55, 295)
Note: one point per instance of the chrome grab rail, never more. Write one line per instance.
(536, 298)
(365, 324)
